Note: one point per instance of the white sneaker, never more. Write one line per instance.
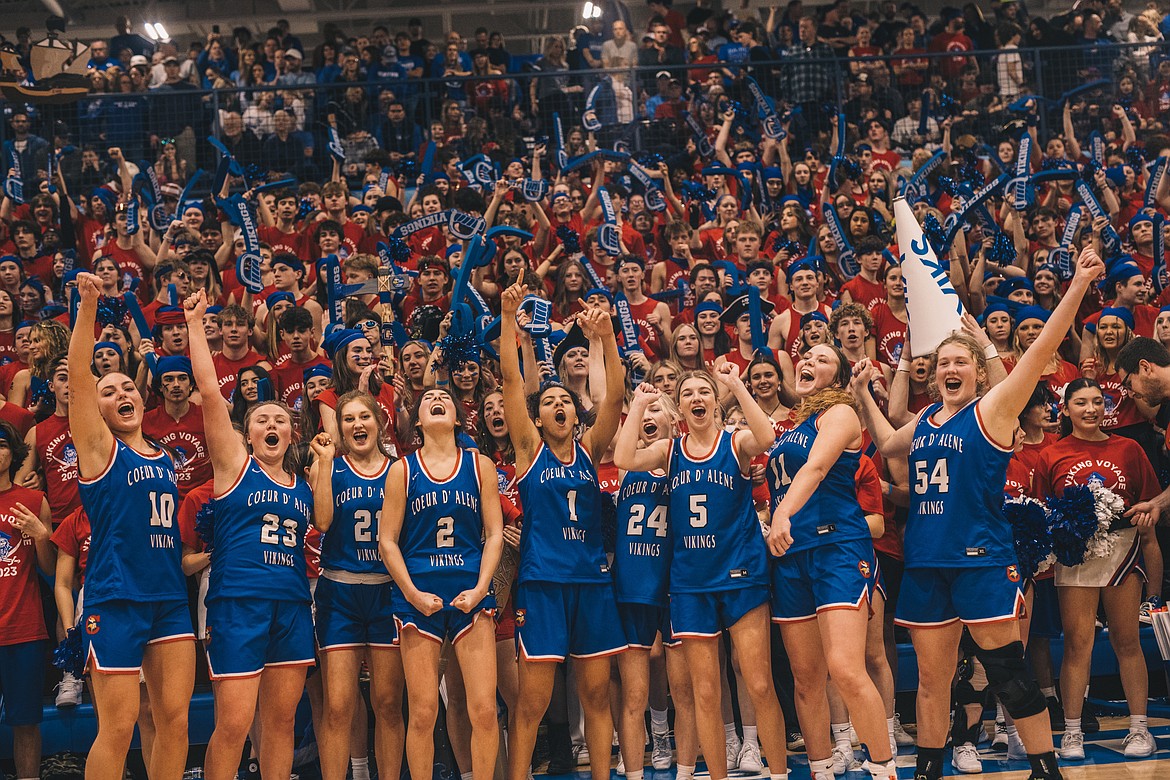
(1139, 744)
(853, 740)
(621, 767)
(749, 759)
(68, 691)
(660, 755)
(893, 748)
(843, 760)
(1015, 748)
(733, 748)
(1000, 742)
(1072, 746)
(900, 736)
(581, 752)
(965, 758)
(886, 771)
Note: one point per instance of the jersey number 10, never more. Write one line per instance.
(162, 509)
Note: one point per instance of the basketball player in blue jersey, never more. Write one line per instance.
(961, 566)
(259, 618)
(641, 581)
(354, 618)
(441, 536)
(719, 563)
(824, 573)
(565, 603)
(135, 617)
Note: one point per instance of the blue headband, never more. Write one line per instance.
(321, 370)
(1120, 312)
(277, 297)
(107, 345)
(813, 316)
(708, 306)
(599, 291)
(174, 364)
(1033, 313)
(339, 339)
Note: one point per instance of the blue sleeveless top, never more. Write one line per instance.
(831, 515)
(716, 540)
(641, 561)
(957, 476)
(442, 532)
(135, 550)
(351, 543)
(562, 520)
(260, 527)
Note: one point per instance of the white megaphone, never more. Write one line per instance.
(932, 304)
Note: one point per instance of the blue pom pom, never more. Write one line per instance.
(112, 311)
(458, 349)
(570, 239)
(205, 524)
(1135, 158)
(1003, 250)
(41, 394)
(1030, 534)
(1074, 521)
(399, 250)
(69, 655)
(948, 185)
(933, 230)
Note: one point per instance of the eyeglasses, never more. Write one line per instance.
(367, 324)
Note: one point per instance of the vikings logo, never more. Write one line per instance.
(520, 613)
(1013, 573)
(6, 547)
(863, 567)
(69, 455)
(93, 624)
(1096, 479)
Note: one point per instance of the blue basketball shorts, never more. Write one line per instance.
(22, 673)
(353, 615)
(246, 635)
(117, 632)
(936, 597)
(832, 576)
(555, 620)
(642, 622)
(448, 623)
(700, 615)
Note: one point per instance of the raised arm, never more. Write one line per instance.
(627, 456)
(760, 434)
(1004, 402)
(525, 437)
(91, 435)
(223, 442)
(321, 480)
(837, 429)
(891, 442)
(597, 325)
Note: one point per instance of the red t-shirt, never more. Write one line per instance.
(187, 438)
(72, 538)
(58, 460)
(21, 616)
(1119, 463)
(386, 400)
(227, 370)
(20, 418)
(1018, 482)
(889, 332)
(289, 378)
(865, 292)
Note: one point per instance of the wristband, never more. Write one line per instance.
(904, 365)
(990, 352)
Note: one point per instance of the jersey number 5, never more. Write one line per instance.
(925, 476)
(162, 509)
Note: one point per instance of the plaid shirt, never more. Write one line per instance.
(809, 72)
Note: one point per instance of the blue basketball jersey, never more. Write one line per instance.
(351, 543)
(260, 527)
(135, 551)
(716, 543)
(641, 561)
(562, 520)
(831, 515)
(442, 533)
(957, 476)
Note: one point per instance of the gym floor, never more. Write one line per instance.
(1104, 760)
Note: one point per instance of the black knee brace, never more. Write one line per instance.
(1009, 678)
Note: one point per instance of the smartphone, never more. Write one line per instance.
(215, 29)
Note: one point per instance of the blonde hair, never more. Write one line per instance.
(820, 401)
(704, 376)
(972, 346)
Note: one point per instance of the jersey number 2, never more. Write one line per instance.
(362, 522)
(656, 521)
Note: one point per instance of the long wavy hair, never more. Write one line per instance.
(828, 397)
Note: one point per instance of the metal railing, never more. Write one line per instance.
(142, 123)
